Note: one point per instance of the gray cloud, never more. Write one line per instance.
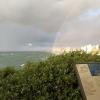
(15, 37)
(79, 32)
(38, 22)
(45, 14)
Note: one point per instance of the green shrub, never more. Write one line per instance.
(52, 79)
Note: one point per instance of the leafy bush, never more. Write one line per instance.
(52, 79)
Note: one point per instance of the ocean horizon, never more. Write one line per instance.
(19, 58)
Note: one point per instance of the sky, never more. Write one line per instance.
(43, 24)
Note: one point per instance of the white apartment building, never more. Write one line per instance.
(90, 47)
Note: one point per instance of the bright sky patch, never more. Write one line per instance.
(90, 14)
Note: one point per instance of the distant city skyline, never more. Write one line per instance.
(89, 48)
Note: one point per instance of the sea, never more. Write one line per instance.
(18, 59)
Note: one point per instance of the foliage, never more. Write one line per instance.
(52, 79)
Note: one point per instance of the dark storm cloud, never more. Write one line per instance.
(15, 37)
